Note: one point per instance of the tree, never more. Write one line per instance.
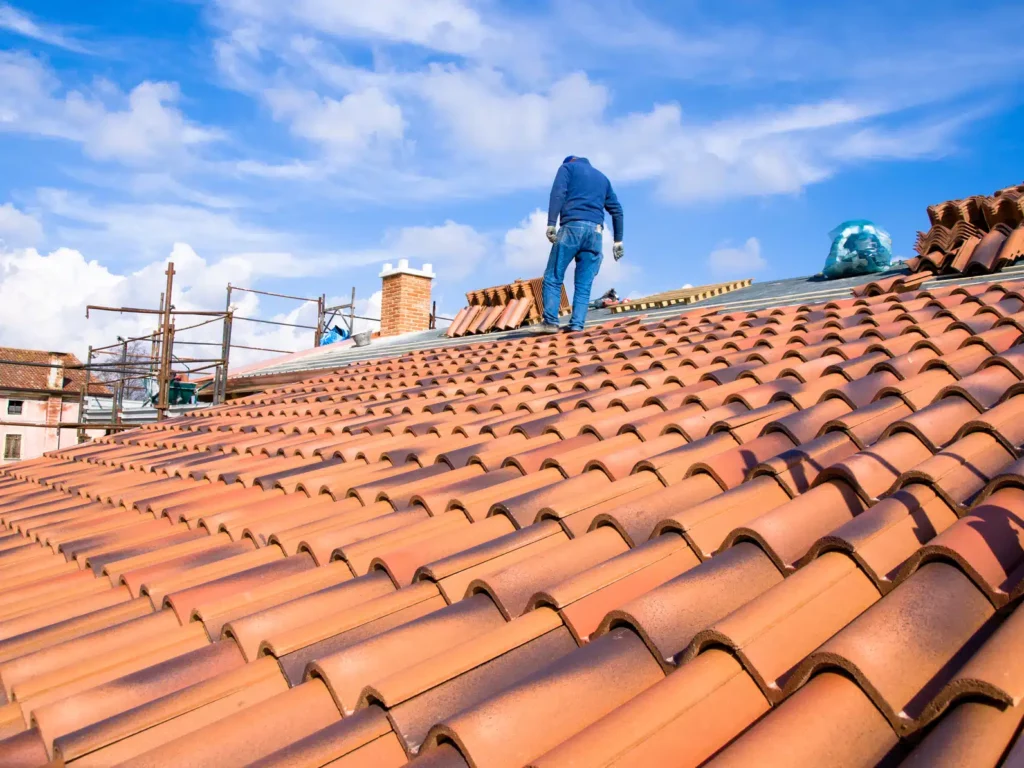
(137, 366)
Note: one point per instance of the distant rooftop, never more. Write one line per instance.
(29, 370)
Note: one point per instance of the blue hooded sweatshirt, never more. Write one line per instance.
(583, 193)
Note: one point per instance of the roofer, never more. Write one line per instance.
(579, 197)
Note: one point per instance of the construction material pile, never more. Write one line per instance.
(503, 308)
(688, 295)
(976, 235)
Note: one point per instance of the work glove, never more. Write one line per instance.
(618, 251)
(552, 234)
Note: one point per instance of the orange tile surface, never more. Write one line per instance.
(789, 536)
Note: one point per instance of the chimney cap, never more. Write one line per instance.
(404, 269)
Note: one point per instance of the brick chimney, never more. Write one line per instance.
(405, 298)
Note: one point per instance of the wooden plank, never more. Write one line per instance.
(681, 296)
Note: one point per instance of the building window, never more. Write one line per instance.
(14, 407)
(12, 447)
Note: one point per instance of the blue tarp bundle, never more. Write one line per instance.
(858, 248)
(333, 335)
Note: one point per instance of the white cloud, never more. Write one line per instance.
(143, 232)
(526, 247)
(234, 252)
(475, 125)
(484, 117)
(454, 249)
(346, 128)
(18, 229)
(518, 138)
(928, 139)
(470, 129)
(431, 100)
(295, 170)
(727, 261)
(20, 23)
(368, 308)
(43, 299)
(141, 127)
(148, 128)
(148, 230)
(163, 185)
(69, 282)
(452, 26)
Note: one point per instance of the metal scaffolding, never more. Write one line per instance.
(161, 360)
(117, 365)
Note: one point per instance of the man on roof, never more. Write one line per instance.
(579, 197)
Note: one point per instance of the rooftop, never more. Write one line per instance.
(773, 293)
(31, 371)
(780, 529)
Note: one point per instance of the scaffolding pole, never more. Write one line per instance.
(318, 329)
(166, 343)
(99, 367)
(276, 322)
(152, 352)
(79, 425)
(220, 384)
(83, 395)
(118, 398)
(347, 319)
(269, 293)
(229, 320)
(162, 358)
(142, 311)
(221, 374)
(321, 302)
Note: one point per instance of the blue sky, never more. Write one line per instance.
(298, 146)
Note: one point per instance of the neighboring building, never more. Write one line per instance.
(40, 398)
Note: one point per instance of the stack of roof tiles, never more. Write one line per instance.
(689, 295)
(503, 308)
(975, 235)
(784, 537)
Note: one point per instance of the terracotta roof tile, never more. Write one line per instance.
(772, 633)
(377, 564)
(828, 721)
(883, 537)
(553, 703)
(682, 719)
(465, 674)
(911, 649)
(972, 731)
(34, 377)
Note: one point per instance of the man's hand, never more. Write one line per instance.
(618, 251)
(552, 234)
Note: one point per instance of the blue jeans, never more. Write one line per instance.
(578, 241)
